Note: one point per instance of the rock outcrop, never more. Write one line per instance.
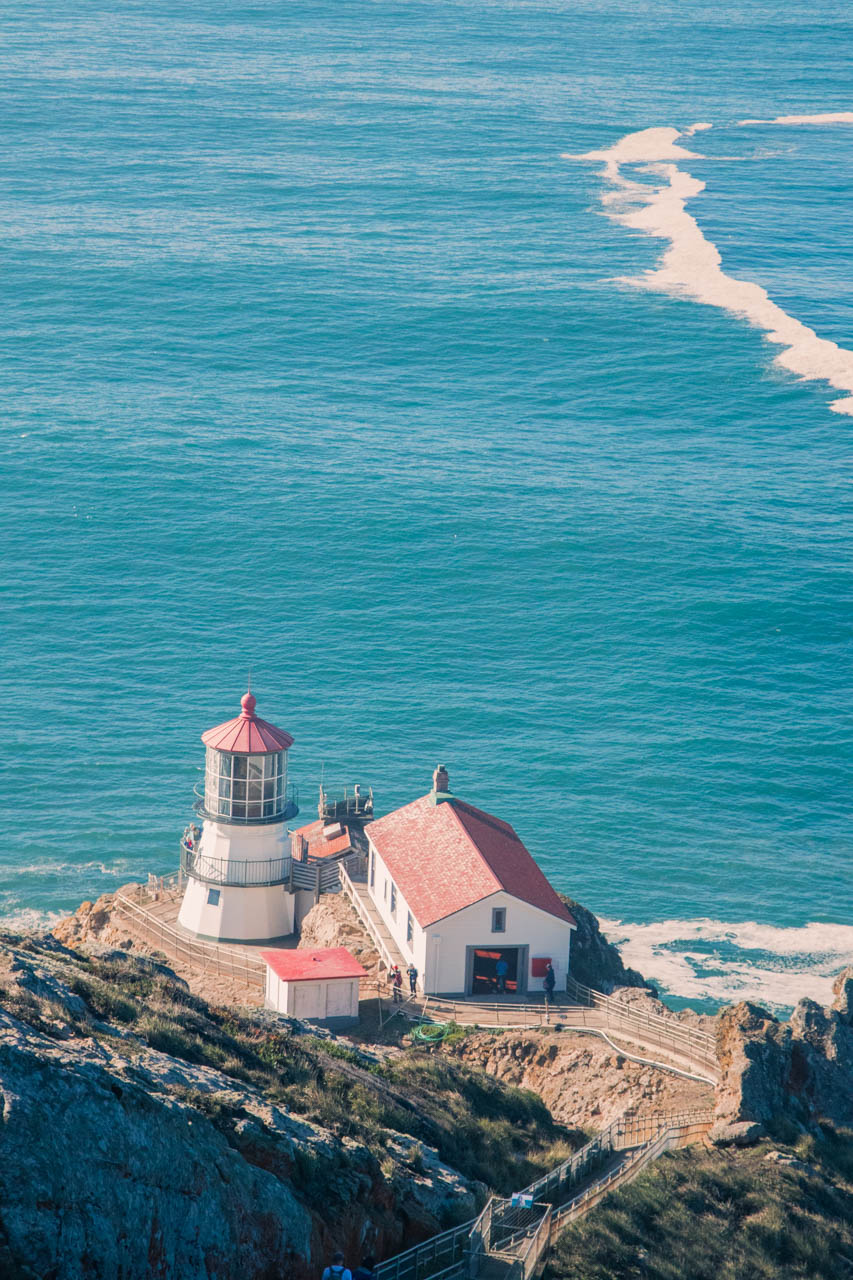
(334, 923)
(595, 961)
(801, 1070)
(94, 924)
(582, 1081)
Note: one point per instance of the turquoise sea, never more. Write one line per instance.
(321, 356)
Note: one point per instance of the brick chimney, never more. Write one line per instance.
(440, 780)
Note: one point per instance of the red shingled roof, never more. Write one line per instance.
(444, 857)
(311, 966)
(247, 734)
(321, 846)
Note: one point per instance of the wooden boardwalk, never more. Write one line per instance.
(219, 972)
(512, 1238)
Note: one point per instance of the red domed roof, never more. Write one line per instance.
(247, 734)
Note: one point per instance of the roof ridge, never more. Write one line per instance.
(474, 844)
(489, 818)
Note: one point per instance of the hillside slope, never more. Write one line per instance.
(773, 1212)
(144, 1133)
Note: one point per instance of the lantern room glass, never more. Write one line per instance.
(245, 788)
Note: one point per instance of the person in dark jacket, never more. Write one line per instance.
(367, 1270)
(549, 982)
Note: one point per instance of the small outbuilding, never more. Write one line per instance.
(316, 986)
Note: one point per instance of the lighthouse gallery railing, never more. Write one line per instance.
(240, 873)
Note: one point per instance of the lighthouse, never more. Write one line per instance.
(238, 869)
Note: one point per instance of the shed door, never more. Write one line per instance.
(338, 999)
(309, 1000)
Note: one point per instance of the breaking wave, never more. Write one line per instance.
(691, 266)
(27, 919)
(719, 962)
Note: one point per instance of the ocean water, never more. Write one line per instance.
(427, 360)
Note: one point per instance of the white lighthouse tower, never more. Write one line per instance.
(238, 871)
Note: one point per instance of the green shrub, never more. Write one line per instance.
(104, 999)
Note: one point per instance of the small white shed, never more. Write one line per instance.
(316, 986)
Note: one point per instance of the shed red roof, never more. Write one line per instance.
(444, 857)
(312, 966)
(247, 734)
(319, 844)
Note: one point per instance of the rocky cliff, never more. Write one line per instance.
(333, 923)
(595, 961)
(582, 1081)
(144, 1134)
(800, 1070)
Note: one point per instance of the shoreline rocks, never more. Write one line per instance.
(801, 1070)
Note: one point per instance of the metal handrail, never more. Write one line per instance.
(289, 809)
(344, 802)
(597, 999)
(237, 872)
(364, 916)
(652, 1031)
(540, 1240)
(193, 951)
(669, 1135)
(663, 1130)
(410, 1264)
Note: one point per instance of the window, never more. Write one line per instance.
(372, 869)
(498, 919)
(393, 899)
(247, 788)
(213, 897)
(410, 927)
(385, 889)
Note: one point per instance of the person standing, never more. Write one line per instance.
(501, 970)
(396, 984)
(413, 979)
(367, 1270)
(337, 1270)
(549, 983)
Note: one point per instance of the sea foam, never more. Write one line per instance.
(691, 266)
(828, 117)
(28, 919)
(723, 962)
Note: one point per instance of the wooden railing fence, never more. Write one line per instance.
(206, 956)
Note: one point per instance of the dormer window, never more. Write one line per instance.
(498, 919)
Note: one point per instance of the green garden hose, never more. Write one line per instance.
(431, 1032)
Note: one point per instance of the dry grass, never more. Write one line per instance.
(707, 1215)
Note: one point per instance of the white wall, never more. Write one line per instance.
(242, 915)
(410, 951)
(526, 926)
(244, 843)
(329, 1000)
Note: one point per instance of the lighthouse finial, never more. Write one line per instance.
(248, 702)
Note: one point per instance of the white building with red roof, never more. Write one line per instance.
(318, 986)
(238, 866)
(464, 900)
